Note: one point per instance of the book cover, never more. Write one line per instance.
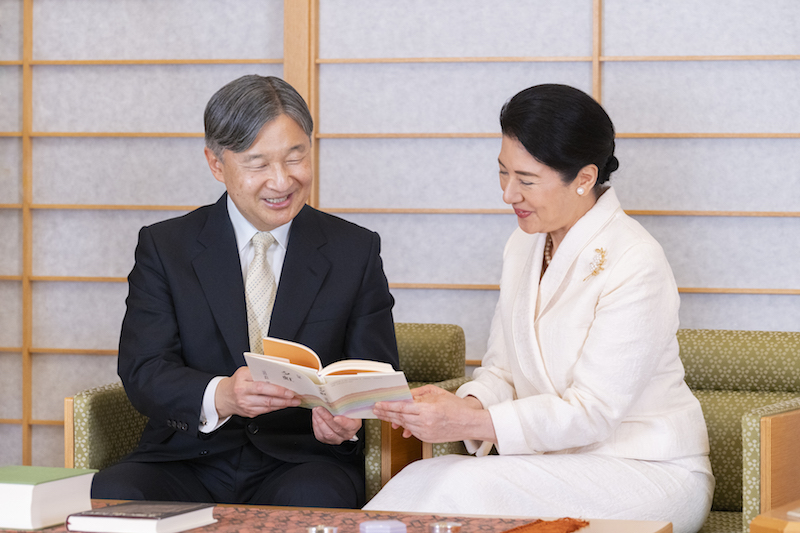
(34, 497)
(349, 387)
(143, 517)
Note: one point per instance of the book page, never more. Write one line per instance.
(350, 395)
(281, 373)
(355, 366)
(293, 352)
(354, 396)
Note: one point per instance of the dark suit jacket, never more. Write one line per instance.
(186, 322)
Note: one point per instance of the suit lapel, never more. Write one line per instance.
(304, 270)
(565, 261)
(219, 272)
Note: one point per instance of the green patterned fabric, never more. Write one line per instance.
(723, 412)
(741, 360)
(372, 456)
(107, 427)
(431, 352)
(751, 456)
(722, 522)
(738, 377)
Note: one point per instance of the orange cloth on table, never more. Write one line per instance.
(562, 525)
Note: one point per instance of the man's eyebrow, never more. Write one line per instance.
(297, 148)
(250, 157)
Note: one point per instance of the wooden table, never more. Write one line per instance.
(255, 518)
(776, 521)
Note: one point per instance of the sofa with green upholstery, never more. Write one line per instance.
(101, 425)
(746, 380)
(743, 380)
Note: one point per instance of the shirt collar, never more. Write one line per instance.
(244, 230)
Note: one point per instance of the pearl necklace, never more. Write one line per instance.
(548, 251)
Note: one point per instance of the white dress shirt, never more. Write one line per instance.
(244, 231)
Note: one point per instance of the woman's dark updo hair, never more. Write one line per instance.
(562, 127)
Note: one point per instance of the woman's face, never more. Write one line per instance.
(542, 202)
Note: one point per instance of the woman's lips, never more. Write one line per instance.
(522, 214)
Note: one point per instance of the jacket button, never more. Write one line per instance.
(252, 428)
(204, 452)
(184, 426)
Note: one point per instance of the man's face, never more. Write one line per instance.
(270, 181)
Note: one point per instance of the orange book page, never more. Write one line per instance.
(293, 352)
(350, 372)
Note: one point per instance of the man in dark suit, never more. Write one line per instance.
(214, 434)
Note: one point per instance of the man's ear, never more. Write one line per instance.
(215, 164)
(586, 178)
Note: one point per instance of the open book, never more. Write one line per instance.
(349, 387)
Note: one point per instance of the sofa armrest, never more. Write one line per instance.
(770, 458)
(105, 427)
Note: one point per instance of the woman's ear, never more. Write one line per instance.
(586, 178)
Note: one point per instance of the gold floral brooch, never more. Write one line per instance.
(597, 263)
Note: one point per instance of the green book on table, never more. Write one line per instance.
(34, 497)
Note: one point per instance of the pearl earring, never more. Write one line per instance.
(580, 191)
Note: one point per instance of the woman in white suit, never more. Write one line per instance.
(581, 391)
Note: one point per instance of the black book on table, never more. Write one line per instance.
(143, 517)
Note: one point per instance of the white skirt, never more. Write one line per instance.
(555, 485)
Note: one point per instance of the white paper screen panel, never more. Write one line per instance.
(10, 243)
(10, 389)
(767, 312)
(56, 377)
(11, 34)
(689, 27)
(440, 248)
(122, 171)
(467, 28)
(88, 243)
(130, 98)
(78, 315)
(730, 252)
(703, 96)
(11, 92)
(154, 29)
(11, 442)
(431, 98)
(11, 314)
(470, 309)
(47, 445)
(410, 173)
(709, 174)
(10, 170)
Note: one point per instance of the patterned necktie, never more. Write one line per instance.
(260, 289)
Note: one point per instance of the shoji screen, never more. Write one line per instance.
(100, 133)
(101, 120)
(703, 97)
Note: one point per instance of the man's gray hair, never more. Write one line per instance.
(236, 113)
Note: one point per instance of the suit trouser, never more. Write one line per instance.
(244, 476)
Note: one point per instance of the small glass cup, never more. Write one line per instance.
(444, 527)
(322, 529)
